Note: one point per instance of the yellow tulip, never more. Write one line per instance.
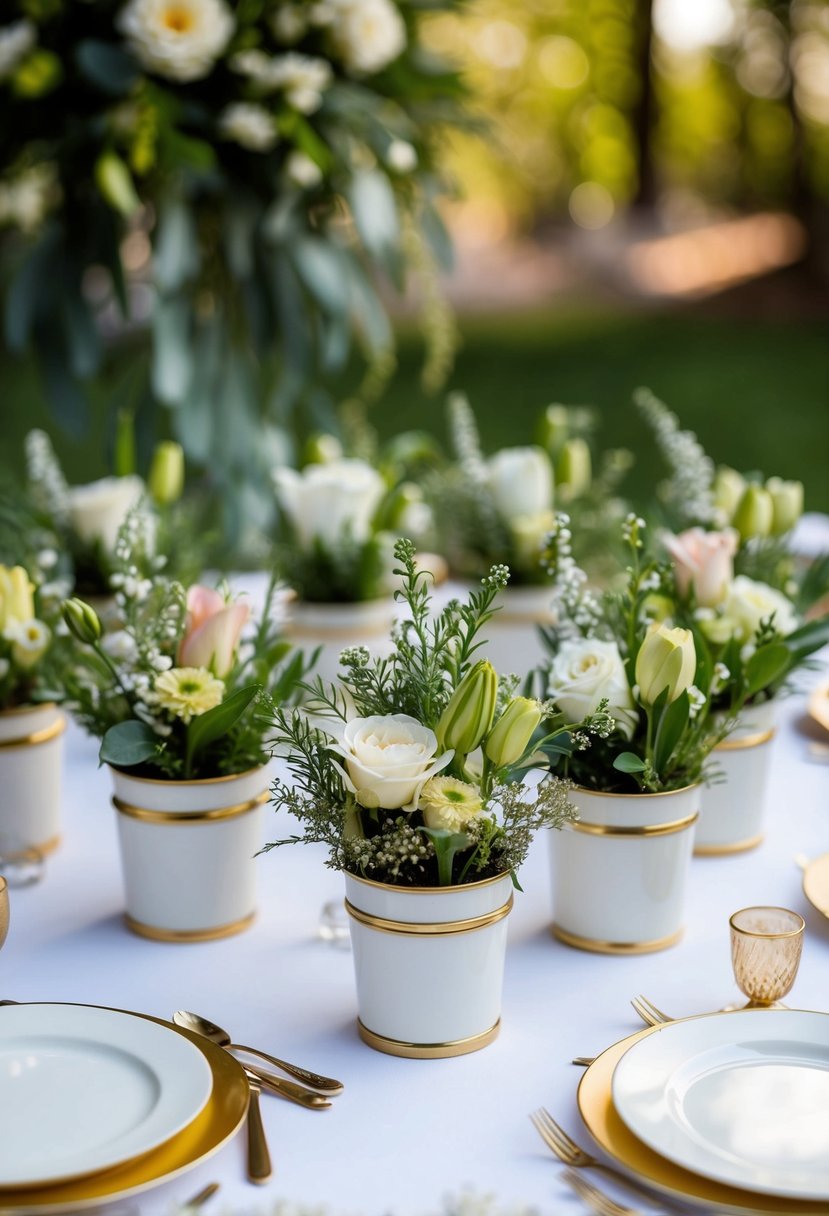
(512, 732)
(666, 660)
(466, 721)
(16, 596)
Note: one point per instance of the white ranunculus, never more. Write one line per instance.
(586, 671)
(388, 759)
(521, 482)
(302, 171)
(97, 510)
(16, 40)
(177, 39)
(750, 602)
(249, 125)
(330, 502)
(367, 35)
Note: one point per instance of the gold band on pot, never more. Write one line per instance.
(221, 812)
(348, 633)
(37, 736)
(724, 850)
(601, 947)
(428, 1051)
(435, 929)
(649, 829)
(737, 745)
(188, 935)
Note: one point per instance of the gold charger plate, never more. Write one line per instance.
(816, 884)
(612, 1135)
(218, 1122)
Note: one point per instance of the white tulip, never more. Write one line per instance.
(586, 671)
(521, 482)
(388, 759)
(330, 502)
(97, 510)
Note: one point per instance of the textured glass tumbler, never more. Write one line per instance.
(4, 910)
(766, 944)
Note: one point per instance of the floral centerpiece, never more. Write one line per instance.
(414, 773)
(174, 697)
(638, 788)
(236, 175)
(31, 724)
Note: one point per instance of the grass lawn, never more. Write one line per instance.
(756, 392)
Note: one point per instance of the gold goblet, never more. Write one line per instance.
(4, 910)
(766, 945)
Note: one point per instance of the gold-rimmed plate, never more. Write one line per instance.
(816, 883)
(217, 1123)
(595, 1103)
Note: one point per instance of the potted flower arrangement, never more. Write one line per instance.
(499, 509)
(757, 642)
(31, 725)
(334, 557)
(414, 774)
(173, 695)
(741, 588)
(619, 873)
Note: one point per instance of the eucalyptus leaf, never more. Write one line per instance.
(30, 287)
(374, 209)
(319, 265)
(82, 339)
(172, 365)
(629, 762)
(176, 254)
(109, 67)
(128, 744)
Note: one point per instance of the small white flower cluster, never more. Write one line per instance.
(689, 489)
(696, 700)
(26, 200)
(249, 125)
(366, 35)
(134, 557)
(580, 613)
(302, 78)
(16, 41)
(632, 530)
(464, 431)
(390, 853)
(48, 485)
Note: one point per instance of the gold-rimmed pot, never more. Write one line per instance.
(620, 872)
(512, 637)
(333, 627)
(733, 807)
(31, 756)
(429, 964)
(188, 853)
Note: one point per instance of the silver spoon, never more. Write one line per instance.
(200, 1025)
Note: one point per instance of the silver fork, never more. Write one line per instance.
(648, 1012)
(595, 1199)
(566, 1149)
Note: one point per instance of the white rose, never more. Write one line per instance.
(388, 760)
(366, 34)
(249, 125)
(586, 671)
(749, 603)
(329, 502)
(177, 39)
(303, 171)
(521, 482)
(97, 510)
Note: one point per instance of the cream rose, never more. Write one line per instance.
(177, 39)
(586, 671)
(749, 603)
(388, 760)
(97, 510)
(367, 35)
(328, 502)
(703, 561)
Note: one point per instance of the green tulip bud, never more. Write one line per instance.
(115, 183)
(574, 470)
(667, 659)
(729, 487)
(466, 721)
(166, 479)
(754, 513)
(787, 504)
(38, 74)
(322, 448)
(554, 428)
(82, 621)
(512, 732)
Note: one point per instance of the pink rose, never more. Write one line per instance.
(704, 561)
(213, 631)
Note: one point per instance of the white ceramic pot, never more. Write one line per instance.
(335, 626)
(188, 853)
(512, 637)
(732, 812)
(429, 964)
(620, 872)
(31, 748)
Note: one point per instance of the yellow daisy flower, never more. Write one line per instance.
(449, 803)
(187, 692)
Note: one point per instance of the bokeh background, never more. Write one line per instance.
(641, 196)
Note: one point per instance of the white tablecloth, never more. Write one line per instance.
(405, 1132)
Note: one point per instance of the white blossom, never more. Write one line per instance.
(177, 39)
(15, 43)
(249, 125)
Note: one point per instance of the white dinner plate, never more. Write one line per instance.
(84, 1089)
(742, 1098)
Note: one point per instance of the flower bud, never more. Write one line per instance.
(787, 504)
(666, 660)
(554, 428)
(574, 469)
(465, 722)
(322, 448)
(512, 732)
(166, 478)
(82, 621)
(114, 180)
(729, 487)
(754, 513)
(16, 596)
